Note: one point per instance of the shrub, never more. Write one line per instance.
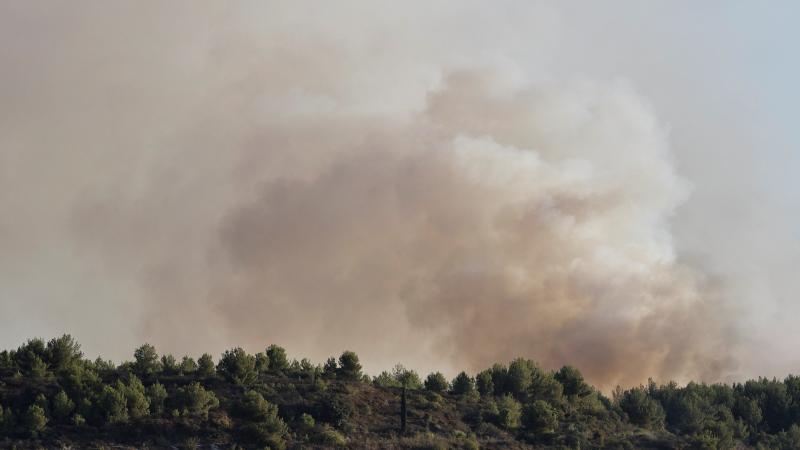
(544, 386)
(63, 352)
(195, 400)
(540, 417)
(349, 367)
(262, 362)
(277, 358)
(157, 394)
(205, 366)
(641, 409)
(112, 405)
(267, 427)
(62, 406)
(35, 419)
(329, 436)
(306, 422)
(572, 380)
(330, 368)
(483, 382)
(138, 403)
(188, 366)
(520, 376)
(168, 365)
(406, 377)
(436, 382)
(463, 384)
(237, 366)
(385, 379)
(146, 361)
(509, 412)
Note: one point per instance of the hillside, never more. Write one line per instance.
(51, 397)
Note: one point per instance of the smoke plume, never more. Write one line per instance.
(337, 190)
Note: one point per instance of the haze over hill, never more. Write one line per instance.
(434, 184)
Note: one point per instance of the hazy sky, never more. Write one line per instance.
(442, 184)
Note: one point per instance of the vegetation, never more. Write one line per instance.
(52, 397)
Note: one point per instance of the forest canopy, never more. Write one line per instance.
(50, 394)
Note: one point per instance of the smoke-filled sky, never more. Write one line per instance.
(441, 184)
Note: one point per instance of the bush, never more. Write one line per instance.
(35, 419)
(329, 436)
(267, 427)
(146, 361)
(540, 417)
(187, 366)
(406, 378)
(349, 367)
(237, 366)
(572, 380)
(641, 409)
(463, 384)
(62, 406)
(112, 405)
(436, 382)
(157, 394)
(484, 383)
(63, 352)
(277, 358)
(509, 412)
(385, 380)
(205, 366)
(520, 376)
(169, 366)
(195, 400)
(138, 403)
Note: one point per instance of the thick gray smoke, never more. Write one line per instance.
(219, 180)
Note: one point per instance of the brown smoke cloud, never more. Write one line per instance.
(254, 186)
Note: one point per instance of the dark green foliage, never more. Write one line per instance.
(572, 380)
(330, 368)
(146, 361)
(205, 366)
(541, 417)
(262, 362)
(436, 382)
(463, 384)
(157, 395)
(137, 400)
(112, 405)
(62, 406)
(35, 419)
(169, 366)
(641, 409)
(385, 380)
(519, 377)
(544, 386)
(63, 352)
(349, 367)
(194, 400)
(509, 412)
(266, 426)
(238, 367)
(187, 366)
(50, 395)
(277, 358)
(406, 378)
(484, 383)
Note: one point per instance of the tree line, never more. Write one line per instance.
(59, 389)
